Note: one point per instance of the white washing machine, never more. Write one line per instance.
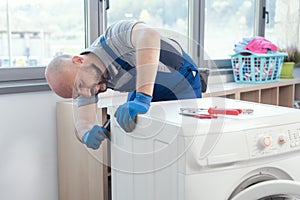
(232, 157)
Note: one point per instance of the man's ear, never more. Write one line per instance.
(77, 59)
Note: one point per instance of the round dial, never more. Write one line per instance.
(264, 141)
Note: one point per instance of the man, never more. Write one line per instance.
(128, 57)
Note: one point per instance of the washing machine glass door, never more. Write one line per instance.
(274, 189)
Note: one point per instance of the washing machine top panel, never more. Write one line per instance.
(268, 132)
(168, 114)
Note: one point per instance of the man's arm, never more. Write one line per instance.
(147, 43)
(87, 129)
(85, 118)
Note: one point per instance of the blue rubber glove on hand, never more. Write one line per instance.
(94, 137)
(126, 114)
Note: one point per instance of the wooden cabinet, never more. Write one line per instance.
(81, 176)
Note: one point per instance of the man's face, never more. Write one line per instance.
(89, 82)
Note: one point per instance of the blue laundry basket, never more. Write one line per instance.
(249, 67)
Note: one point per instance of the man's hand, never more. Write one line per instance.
(126, 114)
(94, 137)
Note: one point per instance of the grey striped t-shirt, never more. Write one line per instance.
(118, 38)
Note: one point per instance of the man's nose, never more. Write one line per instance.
(96, 89)
(85, 92)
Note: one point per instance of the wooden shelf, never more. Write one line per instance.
(297, 92)
(286, 95)
(269, 96)
(250, 96)
(282, 93)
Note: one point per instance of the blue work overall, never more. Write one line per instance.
(182, 83)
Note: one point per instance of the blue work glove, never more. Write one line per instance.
(126, 114)
(94, 137)
(131, 96)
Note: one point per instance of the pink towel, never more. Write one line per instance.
(260, 45)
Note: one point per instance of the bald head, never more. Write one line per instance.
(60, 74)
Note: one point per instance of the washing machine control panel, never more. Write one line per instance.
(274, 140)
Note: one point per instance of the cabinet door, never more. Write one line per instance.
(80, 175)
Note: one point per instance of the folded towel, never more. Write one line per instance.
(242, 44)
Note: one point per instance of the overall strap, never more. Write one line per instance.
(125, 65)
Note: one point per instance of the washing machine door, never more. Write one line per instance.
(273, 189)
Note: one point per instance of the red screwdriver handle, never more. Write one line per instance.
(224, 111)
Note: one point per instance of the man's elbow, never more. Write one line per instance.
(151, 38)
(145, 36)
(152, 34)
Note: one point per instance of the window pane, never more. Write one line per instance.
(283, 28)
(171, 15)
(226, 23)
(33, 31)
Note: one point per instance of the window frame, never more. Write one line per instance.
(95, 21)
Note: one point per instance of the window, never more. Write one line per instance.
(157, 13)
(226, 23)
(217, 26)
(283, 22)
(33, 32)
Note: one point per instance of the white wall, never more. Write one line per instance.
(28, 165)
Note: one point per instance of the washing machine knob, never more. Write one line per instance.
(264, 141)
(281, 139)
